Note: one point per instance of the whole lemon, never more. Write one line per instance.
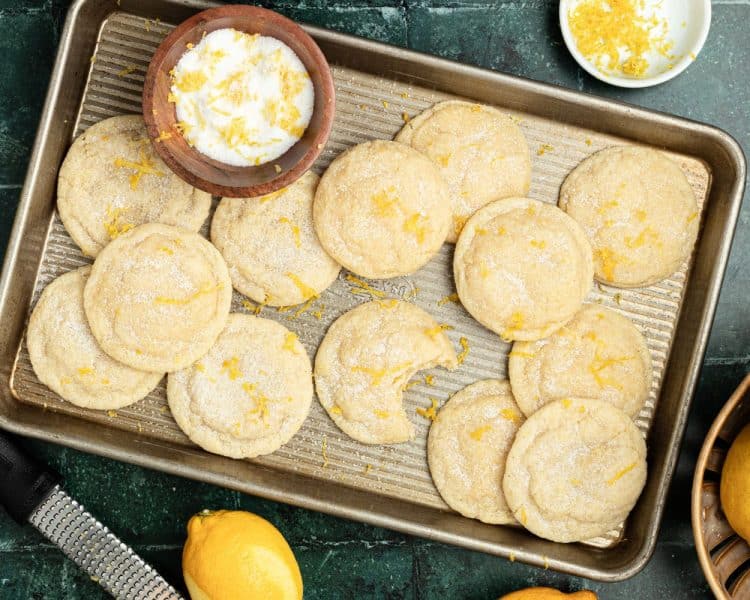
(545, 593)
(233, 554)
(735, 484)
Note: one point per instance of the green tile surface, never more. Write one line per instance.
(341, 559)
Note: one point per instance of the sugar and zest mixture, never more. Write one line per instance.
(241, 99)
(616, 35)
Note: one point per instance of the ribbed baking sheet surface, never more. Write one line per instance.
(367, 107)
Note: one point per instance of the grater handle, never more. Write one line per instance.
(24, 483)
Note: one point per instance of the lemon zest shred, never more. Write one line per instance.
(621, 473)
(377, 375)
(461, 356)
(362, 287)
(433, 332)
(511, 414)
(544, 148)
(295, 231)
(289, 342)
(206, 289)
(307, 292)
(449, 298)
(324, 451)
(429, 413)
(381, 414)
(336, 409)
(479, 432)
(231, 368)
(144, 167)
(417, 224)
(113, 226)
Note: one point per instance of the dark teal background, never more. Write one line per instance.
(340, 559)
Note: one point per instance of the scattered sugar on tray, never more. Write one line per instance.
(246, 99)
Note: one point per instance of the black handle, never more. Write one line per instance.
(24, 483)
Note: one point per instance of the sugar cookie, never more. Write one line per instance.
(638, 211)
(575, 470)
(158, 297)
(598, 354)
(66, 357)
(382, 209)
(481, 153)
(271, 249)
(467, 447)
(522, 268)
(365, 360)
(249, 395)
(112, 180)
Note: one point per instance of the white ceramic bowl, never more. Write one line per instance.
(689, 22)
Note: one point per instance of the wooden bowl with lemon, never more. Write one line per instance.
(721, 499)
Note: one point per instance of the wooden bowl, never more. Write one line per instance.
(211, 175)
(724, 556)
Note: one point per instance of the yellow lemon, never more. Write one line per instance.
(545, 593)
(735, 484)
(232, 554)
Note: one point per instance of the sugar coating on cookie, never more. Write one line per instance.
(249, 395)
(270, 245)
(382, 209)
(480, 152)
(638, 211)
(366, 359)
(467, 447)
(522, 268)
(158, 297)
(66, 357)
(575, 470)
(598, 354)
(112, 180)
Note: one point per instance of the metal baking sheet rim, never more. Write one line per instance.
(358, 504)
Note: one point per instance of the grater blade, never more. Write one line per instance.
(98, 551)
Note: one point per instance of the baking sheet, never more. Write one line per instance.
(368, 106)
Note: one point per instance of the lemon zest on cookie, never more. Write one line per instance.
(501, 230)
(459, 222)
(113, 226)
(386, 202)
(381, 414)
(428, 413)
(231, 368)
(389, 303)
(377, 375)
(607, 206)
(541, 244)
(306, 291)
(336, 409)
(145, 167)
(295, 231)
(566, 402)
(621, 473)
(417, 224)
(289, 342)
(692, 217)
(479, 432)
(642, 238)
(85, 371)
(206, 289)
(607, 260)
(461, 356)
(521, 354)
(523, 517)
(511, 414)
(199, 367)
